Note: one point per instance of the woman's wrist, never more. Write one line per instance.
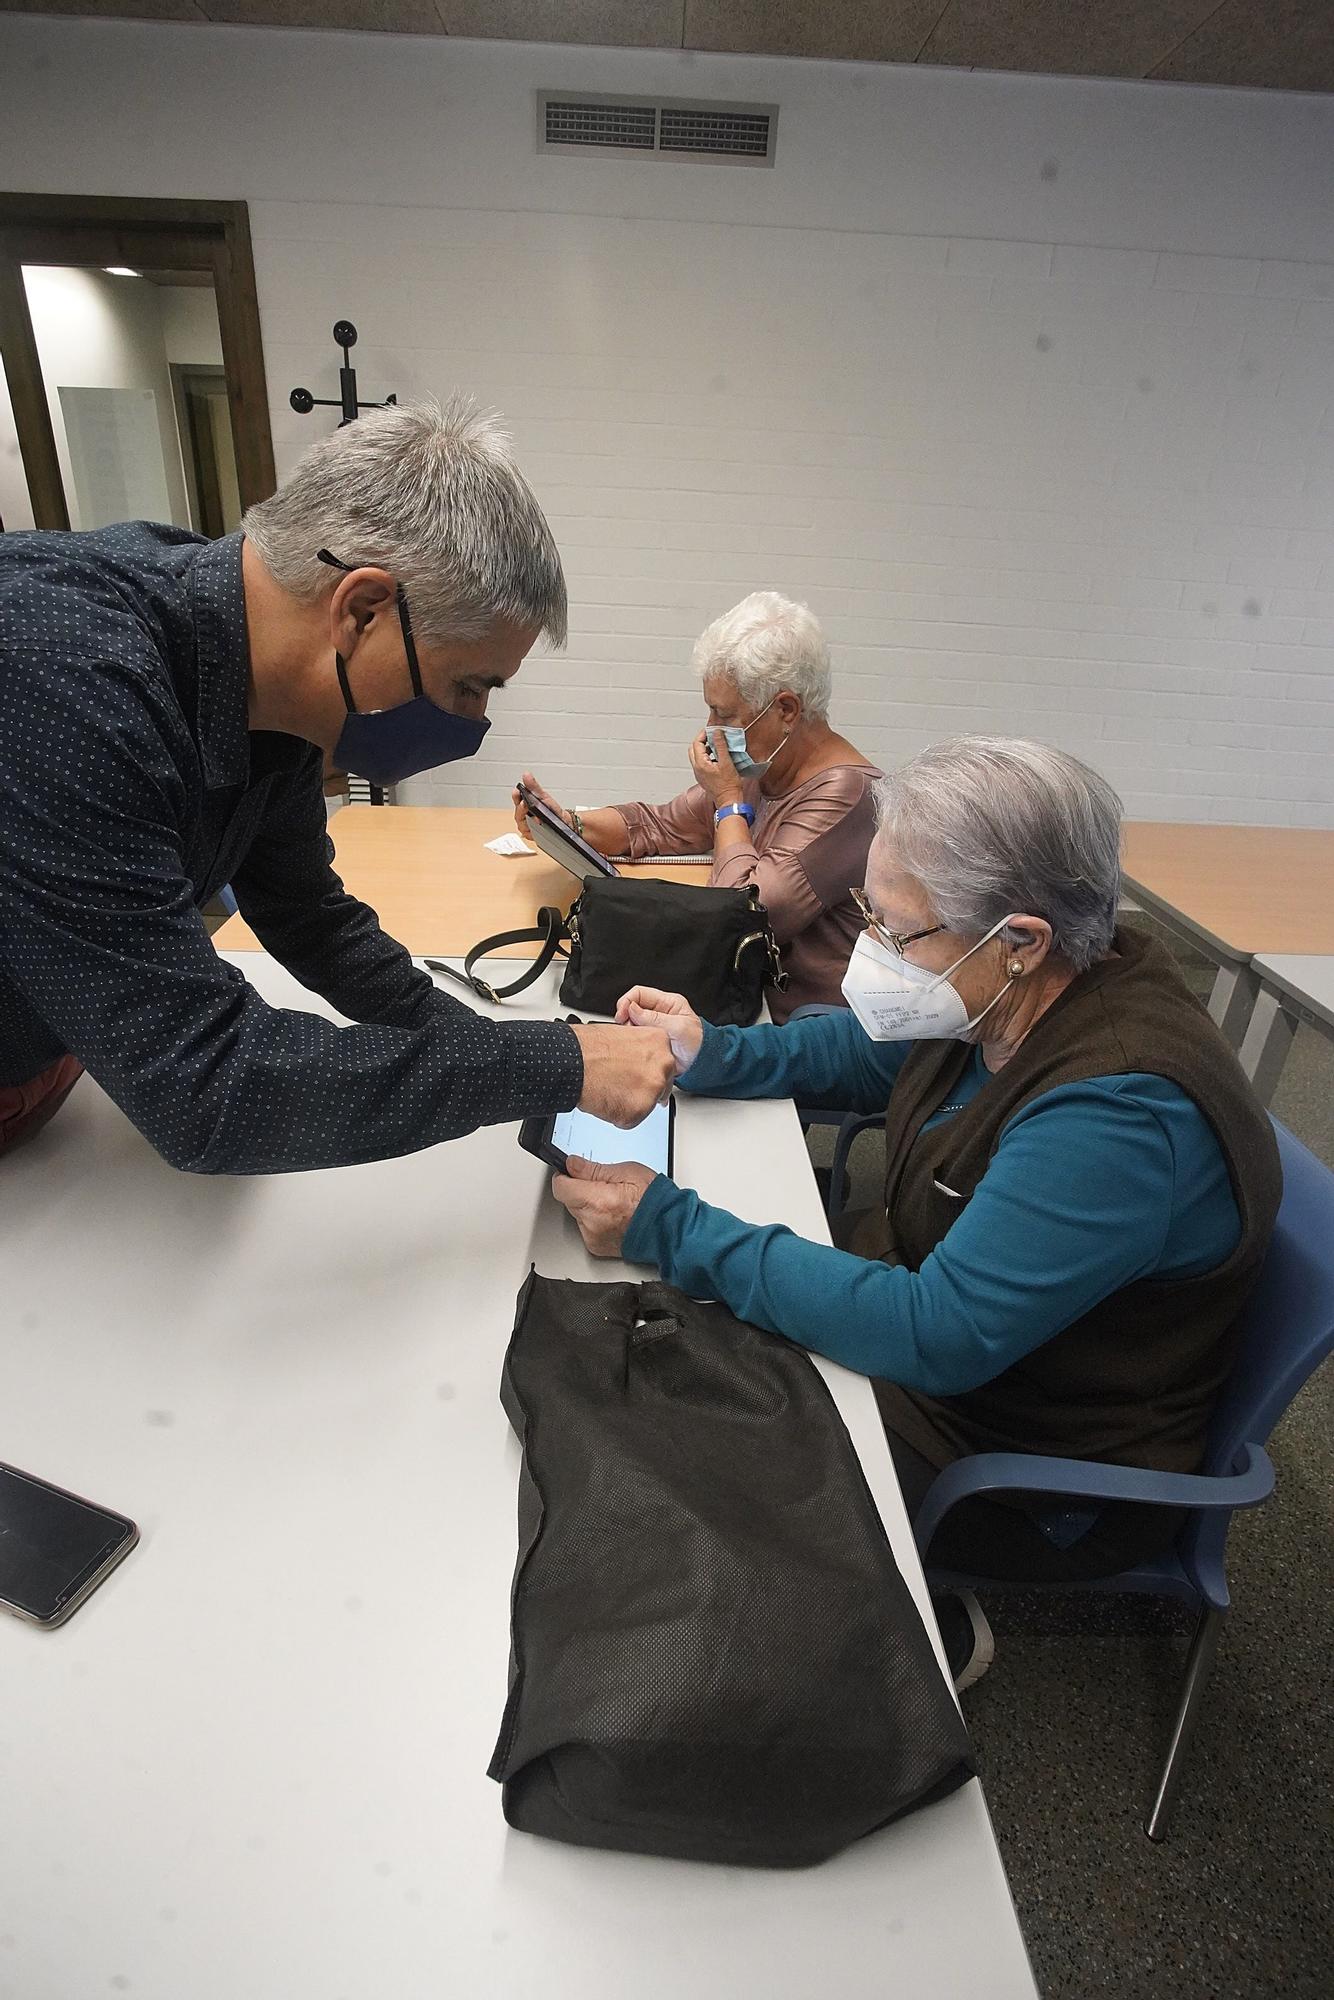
(734, 819)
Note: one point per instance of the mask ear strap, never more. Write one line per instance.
(340, 665)
(979, 1018)
(995, 931)
(409, 643)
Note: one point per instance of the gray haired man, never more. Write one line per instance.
(165, 704)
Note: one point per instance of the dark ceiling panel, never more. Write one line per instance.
(408, 17)
(640, 24)
(1265, 44)
(122, 10)
(1273, 44)
(1098, 38)
(862, 30)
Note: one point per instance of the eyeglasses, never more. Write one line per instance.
(896, 940)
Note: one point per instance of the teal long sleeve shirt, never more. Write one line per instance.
(1092, 1186)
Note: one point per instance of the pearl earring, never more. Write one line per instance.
(1016, 967)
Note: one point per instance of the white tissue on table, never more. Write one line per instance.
(509, 843)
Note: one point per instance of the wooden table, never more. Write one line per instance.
(1234, 891)
(1294, 987)
(435, 886)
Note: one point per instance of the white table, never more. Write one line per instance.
(253, 1766)
(1293, 987)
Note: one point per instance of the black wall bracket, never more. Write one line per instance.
(345, 334)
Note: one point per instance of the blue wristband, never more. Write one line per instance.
(725, 812)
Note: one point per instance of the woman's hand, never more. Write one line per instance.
(602, 1200)
(647, 1007)
(521, 817)
(718, 780)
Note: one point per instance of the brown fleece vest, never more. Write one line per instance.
(1134, 1380)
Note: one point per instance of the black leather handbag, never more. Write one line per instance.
(715, 946)
(714, 1655)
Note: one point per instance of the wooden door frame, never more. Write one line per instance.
(212, 236)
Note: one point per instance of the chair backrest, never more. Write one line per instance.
(1287, 1326)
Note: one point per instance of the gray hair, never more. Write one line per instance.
(767, 644)
(432, 495)
(995, 824)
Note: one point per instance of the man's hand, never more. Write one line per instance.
(719, 780)
(648, 1007)
(602, 1200)
(627, 1071)
(521, 817)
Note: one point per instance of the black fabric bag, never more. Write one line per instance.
(713, 945)
(714, 1654)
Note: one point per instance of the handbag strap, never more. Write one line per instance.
(550, 935)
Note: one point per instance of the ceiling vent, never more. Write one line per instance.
(667, 129)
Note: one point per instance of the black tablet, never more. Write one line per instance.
(560, 842)
(651, 1142)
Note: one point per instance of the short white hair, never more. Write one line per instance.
(764, 645)
(433, 495)
(991, 825)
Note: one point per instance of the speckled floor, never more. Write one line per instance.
(1071, 1723)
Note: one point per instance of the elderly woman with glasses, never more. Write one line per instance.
(1079, 1187)
(779, 799)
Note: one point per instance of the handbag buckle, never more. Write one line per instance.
(777, 971)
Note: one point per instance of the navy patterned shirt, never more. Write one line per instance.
(131, 790)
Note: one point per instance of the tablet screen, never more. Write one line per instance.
(594, 1139)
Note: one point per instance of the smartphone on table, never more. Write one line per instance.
(54, 1547)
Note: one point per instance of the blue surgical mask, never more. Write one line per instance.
(388, 745)
(734, 736)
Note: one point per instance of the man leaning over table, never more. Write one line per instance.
(165, 705)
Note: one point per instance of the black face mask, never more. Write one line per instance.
(390, 744)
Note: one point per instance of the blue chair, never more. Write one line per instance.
(227, 897)
(816, 1114)
(1287, 1331)
(851, 1124)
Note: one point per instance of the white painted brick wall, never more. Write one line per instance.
(1048, 456)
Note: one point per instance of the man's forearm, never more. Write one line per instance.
(337, 948)
(289, 1092)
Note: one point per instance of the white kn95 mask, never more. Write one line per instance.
(898, 1002)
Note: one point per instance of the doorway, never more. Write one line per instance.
(208, 455)
(131, 370)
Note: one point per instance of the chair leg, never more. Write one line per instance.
(1199, 1661)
